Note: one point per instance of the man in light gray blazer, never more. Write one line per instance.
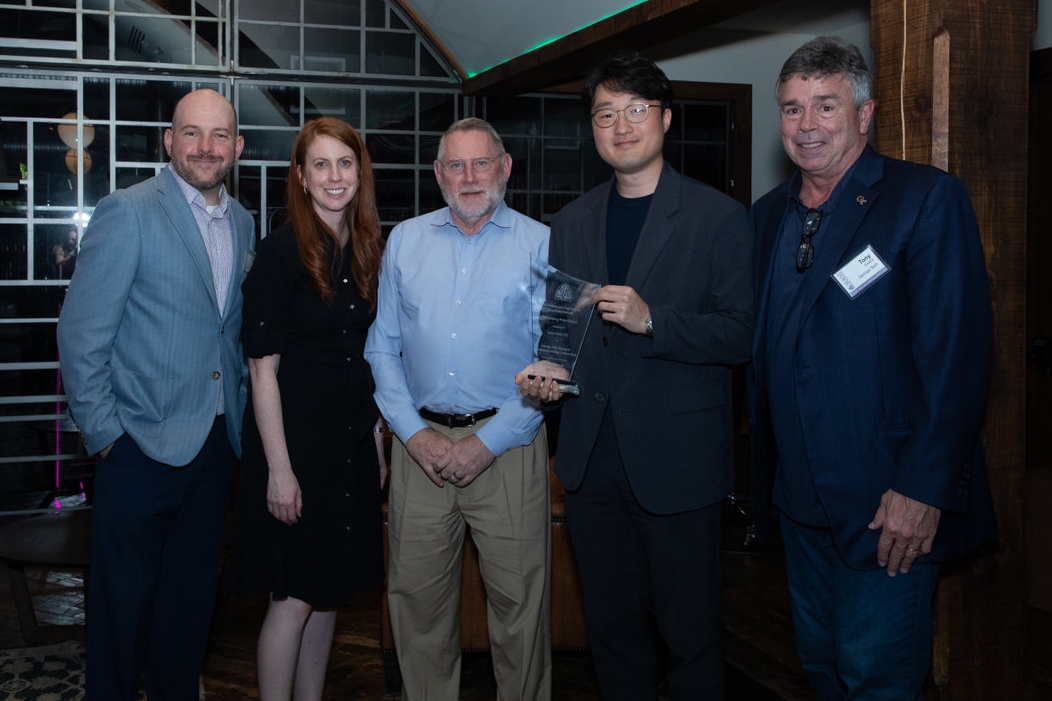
(156, 382)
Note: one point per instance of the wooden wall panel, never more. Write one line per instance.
(951, 80)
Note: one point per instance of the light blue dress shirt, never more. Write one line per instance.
(457, 317)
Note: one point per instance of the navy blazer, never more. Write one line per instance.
(891, 385)
(145, 348)
(669, 395)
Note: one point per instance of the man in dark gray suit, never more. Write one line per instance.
(149, 338)
(646, 450)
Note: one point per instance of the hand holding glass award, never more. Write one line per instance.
(564, 321)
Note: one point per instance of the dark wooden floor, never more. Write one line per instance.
(761, 663)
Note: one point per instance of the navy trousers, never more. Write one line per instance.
(156, 553)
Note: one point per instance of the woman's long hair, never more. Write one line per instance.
(318, 246)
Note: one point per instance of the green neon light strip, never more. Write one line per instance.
(472, 74)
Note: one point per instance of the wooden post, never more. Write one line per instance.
(951, 85)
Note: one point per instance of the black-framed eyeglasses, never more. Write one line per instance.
(635, 113)
(480, 166)
(805, 255)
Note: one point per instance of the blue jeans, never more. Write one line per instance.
(860, 634)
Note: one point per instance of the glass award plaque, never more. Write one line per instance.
(564, 320)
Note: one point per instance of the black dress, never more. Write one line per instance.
(334, 551)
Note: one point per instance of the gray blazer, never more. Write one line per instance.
(670, 395)
(144, 347)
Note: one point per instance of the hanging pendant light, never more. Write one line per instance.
(68, 134)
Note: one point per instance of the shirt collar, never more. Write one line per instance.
(501, 217)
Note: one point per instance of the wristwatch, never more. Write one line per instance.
(650, 326)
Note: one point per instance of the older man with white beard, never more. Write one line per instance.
(457, 317)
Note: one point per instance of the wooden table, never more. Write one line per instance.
(60, 539)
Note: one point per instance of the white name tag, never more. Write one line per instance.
(861, 272)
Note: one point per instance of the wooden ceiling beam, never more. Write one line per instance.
(572, 57)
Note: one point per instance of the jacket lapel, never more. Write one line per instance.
(178, 212)
(765, 252)
(839, 241)
(657, 231)
(595, 246)
(240, 262)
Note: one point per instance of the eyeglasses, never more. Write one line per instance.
(480, 166)
(635, 113)
(805, 255)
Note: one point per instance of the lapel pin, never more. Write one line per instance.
(860, 199)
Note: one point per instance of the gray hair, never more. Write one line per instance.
(472, 124)
(823, 57)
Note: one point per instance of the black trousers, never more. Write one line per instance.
(639, 568)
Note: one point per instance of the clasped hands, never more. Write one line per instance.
(443, 460)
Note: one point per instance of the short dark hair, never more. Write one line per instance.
(629, 72)
(827, 56)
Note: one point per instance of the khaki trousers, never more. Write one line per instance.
(508, 508)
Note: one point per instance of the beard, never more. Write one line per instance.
(201, 179)
(492, 197)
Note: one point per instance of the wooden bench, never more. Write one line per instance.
(60, 539)
(567, 607)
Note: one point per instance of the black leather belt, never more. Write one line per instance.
(456, 420)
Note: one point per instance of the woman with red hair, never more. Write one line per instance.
(313, 465)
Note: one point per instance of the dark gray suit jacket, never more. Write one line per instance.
(670, 395)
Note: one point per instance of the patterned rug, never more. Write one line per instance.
(51, 673)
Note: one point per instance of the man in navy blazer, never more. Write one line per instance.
(646, 451)
(870, 373)
(156, 382)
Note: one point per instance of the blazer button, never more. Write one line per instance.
(215, 375)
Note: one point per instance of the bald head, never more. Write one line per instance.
(203, 99)
(202, 142)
